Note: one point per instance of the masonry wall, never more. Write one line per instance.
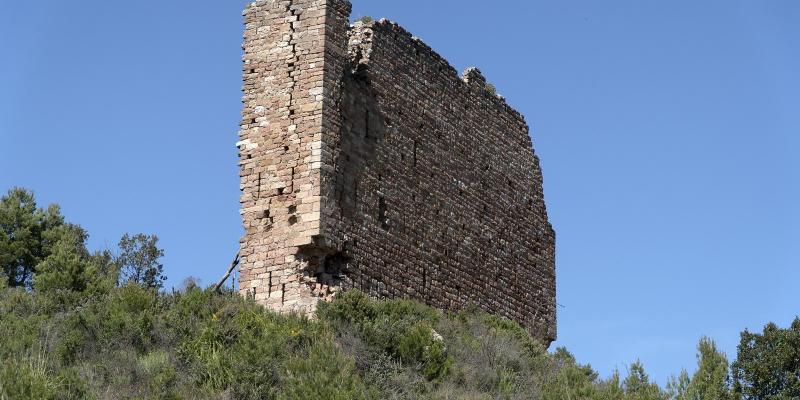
(289, 63)
(401, 178)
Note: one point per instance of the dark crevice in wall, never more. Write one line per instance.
(414, 153)
(382, 213)
(290, 67)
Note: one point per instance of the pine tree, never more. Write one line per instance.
(27, 235)
(637, 384)
(711, 381)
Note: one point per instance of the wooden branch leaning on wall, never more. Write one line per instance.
(234, 263)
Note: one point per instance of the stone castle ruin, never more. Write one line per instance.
(368, 163)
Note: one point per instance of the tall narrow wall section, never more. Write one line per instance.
(368, 163)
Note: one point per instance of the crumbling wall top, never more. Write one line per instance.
(361, 32)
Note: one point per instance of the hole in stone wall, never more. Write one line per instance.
(291, 112)
(291, 65)
(285, 149)
(252, 71)
(380, 177)
(292, 209)
(382, 213)
(366, 124)
(424, 281)
(402, 157)
(266, 214)
(280, 190)
(332, 268)
(292, 220)
(253, 121)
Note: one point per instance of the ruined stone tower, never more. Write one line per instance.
(367, 162)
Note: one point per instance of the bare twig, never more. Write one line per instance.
(234, 263)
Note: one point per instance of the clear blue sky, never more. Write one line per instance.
(669, 134)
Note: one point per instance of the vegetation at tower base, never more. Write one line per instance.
(72, 327)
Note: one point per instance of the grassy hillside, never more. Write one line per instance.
(76, 324)
(136, 342)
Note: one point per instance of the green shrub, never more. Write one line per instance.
(156, 369)
(129, 316)
(323, 372)
(401, 328)
(31, 378)
(419, 345)
(135, 342)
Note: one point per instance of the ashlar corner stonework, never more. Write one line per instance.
(367, 162)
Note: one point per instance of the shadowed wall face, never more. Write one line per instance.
(401, 178)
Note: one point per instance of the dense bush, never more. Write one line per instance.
(133, 341)
(72, 327)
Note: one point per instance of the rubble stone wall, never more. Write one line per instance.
(369, 163)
